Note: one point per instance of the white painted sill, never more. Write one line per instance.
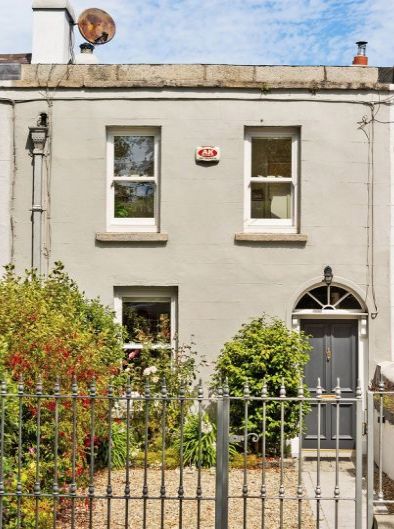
(131, 236)
(271, 237)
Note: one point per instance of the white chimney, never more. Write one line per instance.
(53, 26)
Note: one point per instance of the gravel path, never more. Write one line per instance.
(171, 508)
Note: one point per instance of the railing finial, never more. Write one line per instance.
(282, 392)
(338, 391)
(300, 391)
(319, 389)
(164, 391)
(246, 390)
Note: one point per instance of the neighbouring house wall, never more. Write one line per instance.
(221, 283)
(391, 115)
(6, 176)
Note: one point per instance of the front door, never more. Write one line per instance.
(333, 356)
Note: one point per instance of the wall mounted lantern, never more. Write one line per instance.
(328, 275)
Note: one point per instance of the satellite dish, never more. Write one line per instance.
(96, 26)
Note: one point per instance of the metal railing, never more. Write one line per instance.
(378, 400)
(61, 442)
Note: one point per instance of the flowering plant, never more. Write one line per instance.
(53, 336)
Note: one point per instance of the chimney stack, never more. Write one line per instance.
(361, 58)
(53, 26)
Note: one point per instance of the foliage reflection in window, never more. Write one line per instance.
(133, 179)
(147, 321)
(134, 156)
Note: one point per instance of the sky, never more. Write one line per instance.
(298, 32)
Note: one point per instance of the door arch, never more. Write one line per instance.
(335, 318)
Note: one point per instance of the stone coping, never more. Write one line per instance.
(265, 78)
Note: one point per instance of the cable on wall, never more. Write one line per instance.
(367, 125)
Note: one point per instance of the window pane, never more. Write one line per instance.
(321, 293)
(306, 302)
(271, 201)
(336, 294)
(350, 303)
(271, 157)
(147, 321)
(134, 155)
(134, 199)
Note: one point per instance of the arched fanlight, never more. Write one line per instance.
(329, 297)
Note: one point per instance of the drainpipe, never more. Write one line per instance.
(38, 137)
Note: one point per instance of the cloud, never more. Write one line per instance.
(227, 31)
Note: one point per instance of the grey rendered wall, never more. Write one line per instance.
(221, 283)
(6, 173)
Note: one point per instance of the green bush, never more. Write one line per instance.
(49, 329)
(264, 351)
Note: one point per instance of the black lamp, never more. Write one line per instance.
(328, 275)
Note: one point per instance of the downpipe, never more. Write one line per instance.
(38, 136)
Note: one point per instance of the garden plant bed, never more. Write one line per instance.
(171, 508)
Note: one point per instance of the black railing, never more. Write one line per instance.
(112, 457)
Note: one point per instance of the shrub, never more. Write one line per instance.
(49, 329)
(264, 351)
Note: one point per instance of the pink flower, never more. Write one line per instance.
(133, 354)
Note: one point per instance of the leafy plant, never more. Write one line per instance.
(50, 329)
(199, 441)
(264, 351)
(118, 446)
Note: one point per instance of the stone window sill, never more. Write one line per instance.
(271, 237)
(131, 237)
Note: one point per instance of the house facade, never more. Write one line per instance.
(108, 168)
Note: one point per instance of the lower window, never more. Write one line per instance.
(149, 315)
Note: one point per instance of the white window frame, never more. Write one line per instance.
(142, 224)
(271, 225)
(152, 294)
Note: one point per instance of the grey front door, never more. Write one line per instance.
(333, 356)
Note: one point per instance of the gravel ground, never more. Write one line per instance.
(171, 508)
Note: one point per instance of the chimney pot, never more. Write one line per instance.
(86, 55)
(86, 48)
(361, 58)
